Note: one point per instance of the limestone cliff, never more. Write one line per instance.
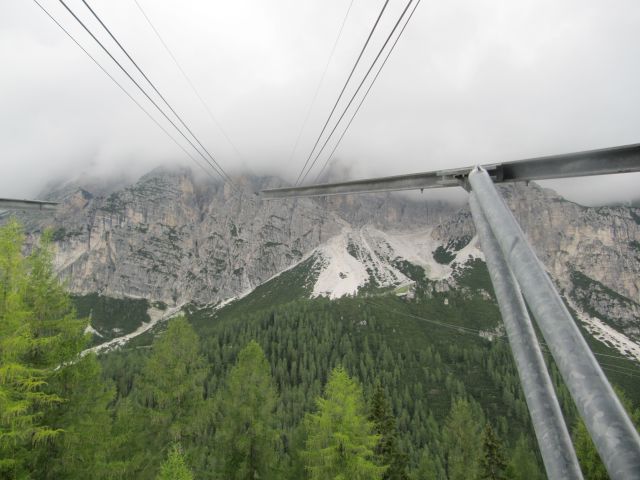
(170, 236)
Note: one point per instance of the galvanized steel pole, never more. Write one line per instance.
(557, 451)
(613, 434)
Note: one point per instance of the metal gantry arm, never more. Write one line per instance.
(13, 204)
(558, 454)
(623, 159)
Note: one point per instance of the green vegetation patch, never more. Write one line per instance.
(443, 256)
(474, 275)
(414, 272)
(111, 317)
(446, 254)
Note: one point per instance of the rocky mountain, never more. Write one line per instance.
(175, 238)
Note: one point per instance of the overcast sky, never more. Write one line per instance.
(470, 82)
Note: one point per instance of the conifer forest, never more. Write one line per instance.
(268, 387)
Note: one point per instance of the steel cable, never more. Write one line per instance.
(343, 88)
(406, 8)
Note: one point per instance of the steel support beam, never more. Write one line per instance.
(557, 451)
(604, 161)
(613, 434)
(13, 204)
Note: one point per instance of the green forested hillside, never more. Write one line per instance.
(276, 385)
(425, 352)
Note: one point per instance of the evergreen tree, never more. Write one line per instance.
(38, 334)
(388, 449)
(246, 437)
(428, 467)
(174, 467)
(86, 446)
(340, 440)
(462, 440)
(523, 464)
(492, 462)
(169, 403)
(590, 462)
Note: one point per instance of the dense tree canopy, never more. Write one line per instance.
(246, 436)
(174, 467)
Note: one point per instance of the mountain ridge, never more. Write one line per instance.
(174, 238)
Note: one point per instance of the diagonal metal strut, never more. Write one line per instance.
(613, 433)
(558, 454)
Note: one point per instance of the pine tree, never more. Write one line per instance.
(169, 404)
(340, 440)
(85, 447)
(462, 440)
(246, 437)
(590, 462)
(428, 467)
(174, 467)
(523, 464)
(492, 462)
(38, 334)
(388, 449)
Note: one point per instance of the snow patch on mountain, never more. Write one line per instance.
(606, 334)
(418, 247)
(349, 263)
(357, 258)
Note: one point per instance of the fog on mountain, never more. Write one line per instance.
(219, 258)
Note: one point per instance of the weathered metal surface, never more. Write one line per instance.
(613, 434)
(557, 451)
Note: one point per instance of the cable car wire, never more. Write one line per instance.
(406, 8)
(343, 89)
(324, 73)
(207, 171)
(365, 94)
(224, 174)
(191, 84)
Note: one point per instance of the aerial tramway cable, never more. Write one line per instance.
(189, 81)
(207, 171)
(223, 173)
(138, 85)
(343, 89)
(324, 73)
(406, 8)
(365, 94)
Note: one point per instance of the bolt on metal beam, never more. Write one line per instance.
(558, 454)
(613, 434)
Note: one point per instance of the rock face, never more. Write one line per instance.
(602, 243)
(175, 238)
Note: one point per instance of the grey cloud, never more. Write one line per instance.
(470, 82)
